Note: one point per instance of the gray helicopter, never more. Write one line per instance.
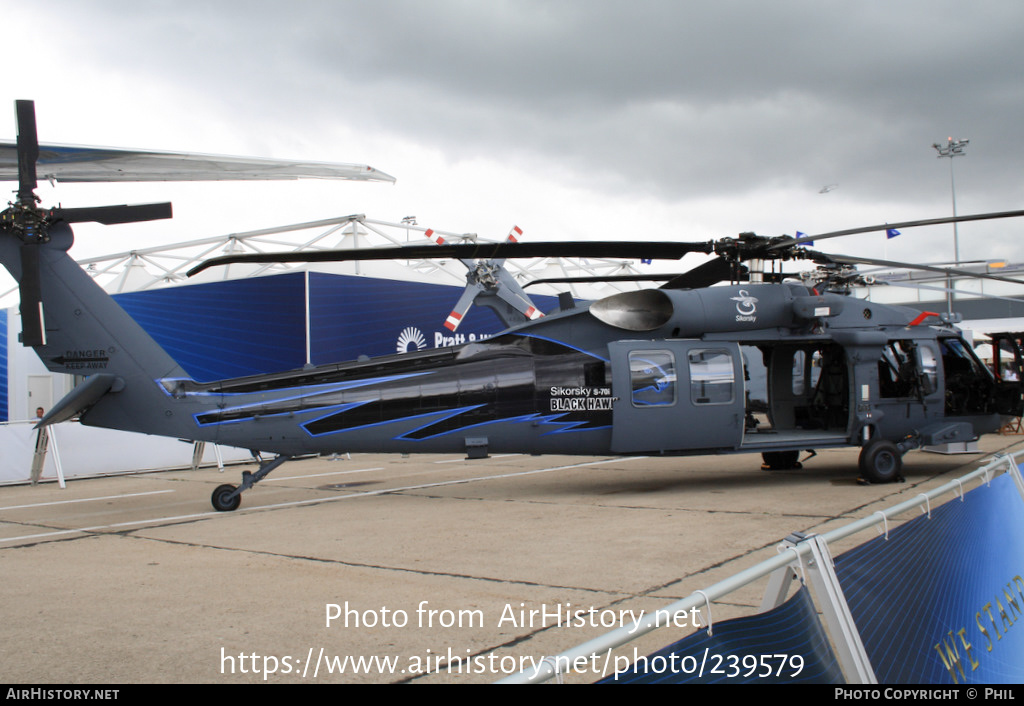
(654, 371)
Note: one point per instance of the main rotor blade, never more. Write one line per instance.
(705, 275)
(850, 260)
(475, 251)
(952, 290)
(605, 278)
(72, 163)
(113, 215)
(28, 150)
(897, 226)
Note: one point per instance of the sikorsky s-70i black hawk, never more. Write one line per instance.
(657, 371)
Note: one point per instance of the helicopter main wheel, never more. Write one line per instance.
(781, 461)
(881, 462)
(222, 499)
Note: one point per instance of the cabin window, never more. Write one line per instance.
(652, 377)
(712, 377)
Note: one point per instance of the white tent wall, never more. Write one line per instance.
(29, 383)
(89, 451)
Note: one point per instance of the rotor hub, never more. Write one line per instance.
(485, 273)
(29, 223)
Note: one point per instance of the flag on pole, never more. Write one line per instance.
(891, 233)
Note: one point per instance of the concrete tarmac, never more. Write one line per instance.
(385, 569)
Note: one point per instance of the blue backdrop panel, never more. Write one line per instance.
(941, 600)
(352, 316)
(732, 655)
(246, 327)
(227, 329)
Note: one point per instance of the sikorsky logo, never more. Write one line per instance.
(746, 306)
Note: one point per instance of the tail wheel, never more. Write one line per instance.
(881, 462)
(223, 499)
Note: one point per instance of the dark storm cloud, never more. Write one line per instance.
(695, 100)
(679, 99)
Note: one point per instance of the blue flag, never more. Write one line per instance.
(646, 261)
(802, 235)
(891, 233)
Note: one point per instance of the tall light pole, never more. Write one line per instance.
(952, 148)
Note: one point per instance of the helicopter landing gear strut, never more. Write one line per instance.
(781, 461)
(227, 497)
(881, 461)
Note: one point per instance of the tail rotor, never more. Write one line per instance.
(30, 224)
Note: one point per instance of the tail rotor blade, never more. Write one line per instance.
(26, 222)
(28, 150)
(33, 329)
(113, 215)
(23, 219)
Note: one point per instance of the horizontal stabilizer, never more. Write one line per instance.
(84, 396)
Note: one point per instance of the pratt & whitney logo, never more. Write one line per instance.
(412, 339)
(746, 306)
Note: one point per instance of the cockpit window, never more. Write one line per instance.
(958, 358)
(969, 384)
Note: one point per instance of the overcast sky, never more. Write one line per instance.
(596, 119)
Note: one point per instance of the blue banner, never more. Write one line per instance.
(938, 602)
(782, 646)
(227, 329)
